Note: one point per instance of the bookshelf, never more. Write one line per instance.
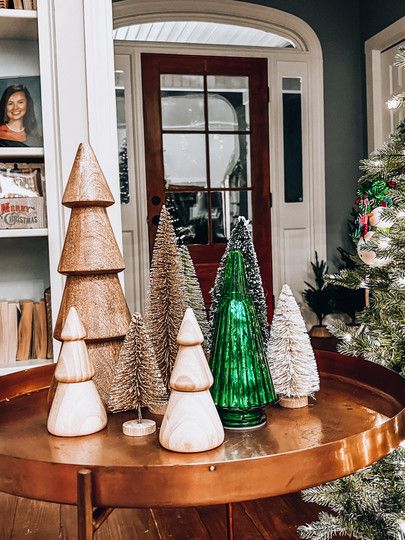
(25, 254)
(22, 233)
(69, 45)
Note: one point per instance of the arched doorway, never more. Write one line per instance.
(294, 75)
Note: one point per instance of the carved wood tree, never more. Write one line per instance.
(91, 260)
(191, 422)
(76, 409)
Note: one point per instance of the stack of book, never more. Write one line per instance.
(18, 4)
(25, 330)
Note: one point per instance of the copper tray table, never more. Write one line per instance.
(357, 418)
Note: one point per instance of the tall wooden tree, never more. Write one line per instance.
(91, 260)
(137, 380)
(167, 298)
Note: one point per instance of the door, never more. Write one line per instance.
(206, 147)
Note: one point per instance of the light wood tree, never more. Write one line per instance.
(191, 422)
(91, 260)
(76, 408)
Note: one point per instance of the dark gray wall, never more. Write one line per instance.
(378, 14)
(336, 23)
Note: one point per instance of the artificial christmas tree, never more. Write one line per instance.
(76, 408)
(91, 260)
(241, 239)
(137, 381)
(194, 295)
(167, 298)
(371, 504)
(291, 358)
(242, 382)
(191, 422)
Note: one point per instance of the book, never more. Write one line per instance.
(49, 348)
(18, 4)
(12, 337)
(40, 338)
(25, 330)
(4, 333)
(27, 4)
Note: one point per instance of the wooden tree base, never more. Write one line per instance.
(134, 428)
(293, 402)
(320, 331)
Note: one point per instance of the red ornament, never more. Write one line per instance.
(392, 184)
(383, 203)
(357, 200)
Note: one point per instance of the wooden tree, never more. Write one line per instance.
(76, 408)
(91, 260)
(194, 295)
(167, 299)
(191, 422)
(137, 380)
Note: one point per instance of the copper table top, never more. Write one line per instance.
(357, 418)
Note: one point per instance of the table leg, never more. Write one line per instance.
(84, 505)
(229, 521)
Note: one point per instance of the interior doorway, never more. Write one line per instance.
(207, 154)
(295, 134)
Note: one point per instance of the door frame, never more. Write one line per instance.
(374, 46)
(307, 54)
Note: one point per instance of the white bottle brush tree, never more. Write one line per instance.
(291, 358)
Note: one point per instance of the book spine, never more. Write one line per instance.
(25, 330)
(49, 348)
(40, 330)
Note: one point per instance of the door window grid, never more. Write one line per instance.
(213, 203)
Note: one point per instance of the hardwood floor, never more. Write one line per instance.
(270, 519)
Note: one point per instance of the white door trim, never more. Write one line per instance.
(374, 46)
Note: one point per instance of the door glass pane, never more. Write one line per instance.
(122, 135)
(182, 102)
(184, 160)
(229, 160)
(226, 207)
(190, 215)
(292, 135)
(228, 103)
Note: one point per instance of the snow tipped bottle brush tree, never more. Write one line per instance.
(291, 358)
(371, 503)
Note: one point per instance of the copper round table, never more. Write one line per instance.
(357, 418)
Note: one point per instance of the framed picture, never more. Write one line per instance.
(20, 111)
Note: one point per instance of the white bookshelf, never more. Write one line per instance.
(18, 24)
(25, 268)
(21, 365)
(22, 233)
(21, 152)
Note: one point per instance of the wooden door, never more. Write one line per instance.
(206, 146)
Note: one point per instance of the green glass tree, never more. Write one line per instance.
(242, 382)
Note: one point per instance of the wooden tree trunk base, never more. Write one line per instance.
(293, 402)
(134, 428)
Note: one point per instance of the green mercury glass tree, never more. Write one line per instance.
(242, 382)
